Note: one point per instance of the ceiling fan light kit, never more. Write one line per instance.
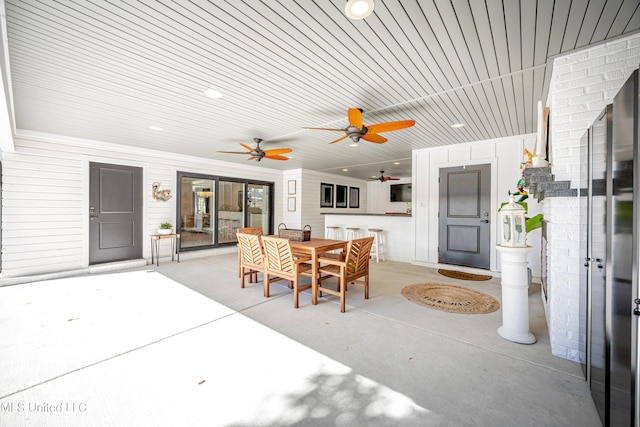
(258, 153)
(357, 130)
(358, 9)
(382, 178)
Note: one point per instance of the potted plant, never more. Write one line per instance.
(165, 228)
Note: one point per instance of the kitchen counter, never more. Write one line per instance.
(398, 230)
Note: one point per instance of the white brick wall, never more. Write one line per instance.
(582, 84)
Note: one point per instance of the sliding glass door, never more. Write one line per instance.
(212, 208)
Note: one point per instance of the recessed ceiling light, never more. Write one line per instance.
(396, 163)
(457, 125)
(358, 9)
(155, 128)
(212, 93)
(345, 170)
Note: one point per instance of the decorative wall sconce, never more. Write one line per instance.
(160, 194)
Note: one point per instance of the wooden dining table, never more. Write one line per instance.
(314, 248)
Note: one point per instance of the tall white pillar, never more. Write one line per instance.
(515, 295)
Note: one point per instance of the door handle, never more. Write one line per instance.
(486, 221)
(92, 213)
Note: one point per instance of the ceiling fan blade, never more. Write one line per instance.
(251, 158)
(336, 130)
(276, 157)
(338, 140)
(391, 179)
(355, 117)
(374, 137)
(389, 126)
(276, 151)
(232, 152)
(247, 147)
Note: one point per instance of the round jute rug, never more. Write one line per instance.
(450, 298)
(461, 275)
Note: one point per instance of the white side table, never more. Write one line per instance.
(515, 295)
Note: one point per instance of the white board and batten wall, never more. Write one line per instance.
(504, 155)
(45, 198)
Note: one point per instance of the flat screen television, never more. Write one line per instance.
(400, 192)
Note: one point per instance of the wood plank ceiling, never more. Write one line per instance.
(107, 70)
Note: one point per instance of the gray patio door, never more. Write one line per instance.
(464, 224)
(115, 213)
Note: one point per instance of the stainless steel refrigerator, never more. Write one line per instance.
(611, 250)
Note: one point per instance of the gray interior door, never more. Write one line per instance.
(115, 212)
(464, 224)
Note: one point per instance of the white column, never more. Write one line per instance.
(515, 295)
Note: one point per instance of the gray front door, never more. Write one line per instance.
(115, 213)
(464, 224)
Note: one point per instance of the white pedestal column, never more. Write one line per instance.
(515, 295)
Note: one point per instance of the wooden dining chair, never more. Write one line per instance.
(250, 257)
(251, 230)
(248, 230)
(354, 266)
(280, 262)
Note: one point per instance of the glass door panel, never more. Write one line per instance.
(231, 210)
(258, 206)
(196, 212)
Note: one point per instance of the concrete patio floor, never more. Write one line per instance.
(139, 347)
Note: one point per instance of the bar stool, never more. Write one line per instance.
(333, 232)
(377, 248)
(352, 233)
